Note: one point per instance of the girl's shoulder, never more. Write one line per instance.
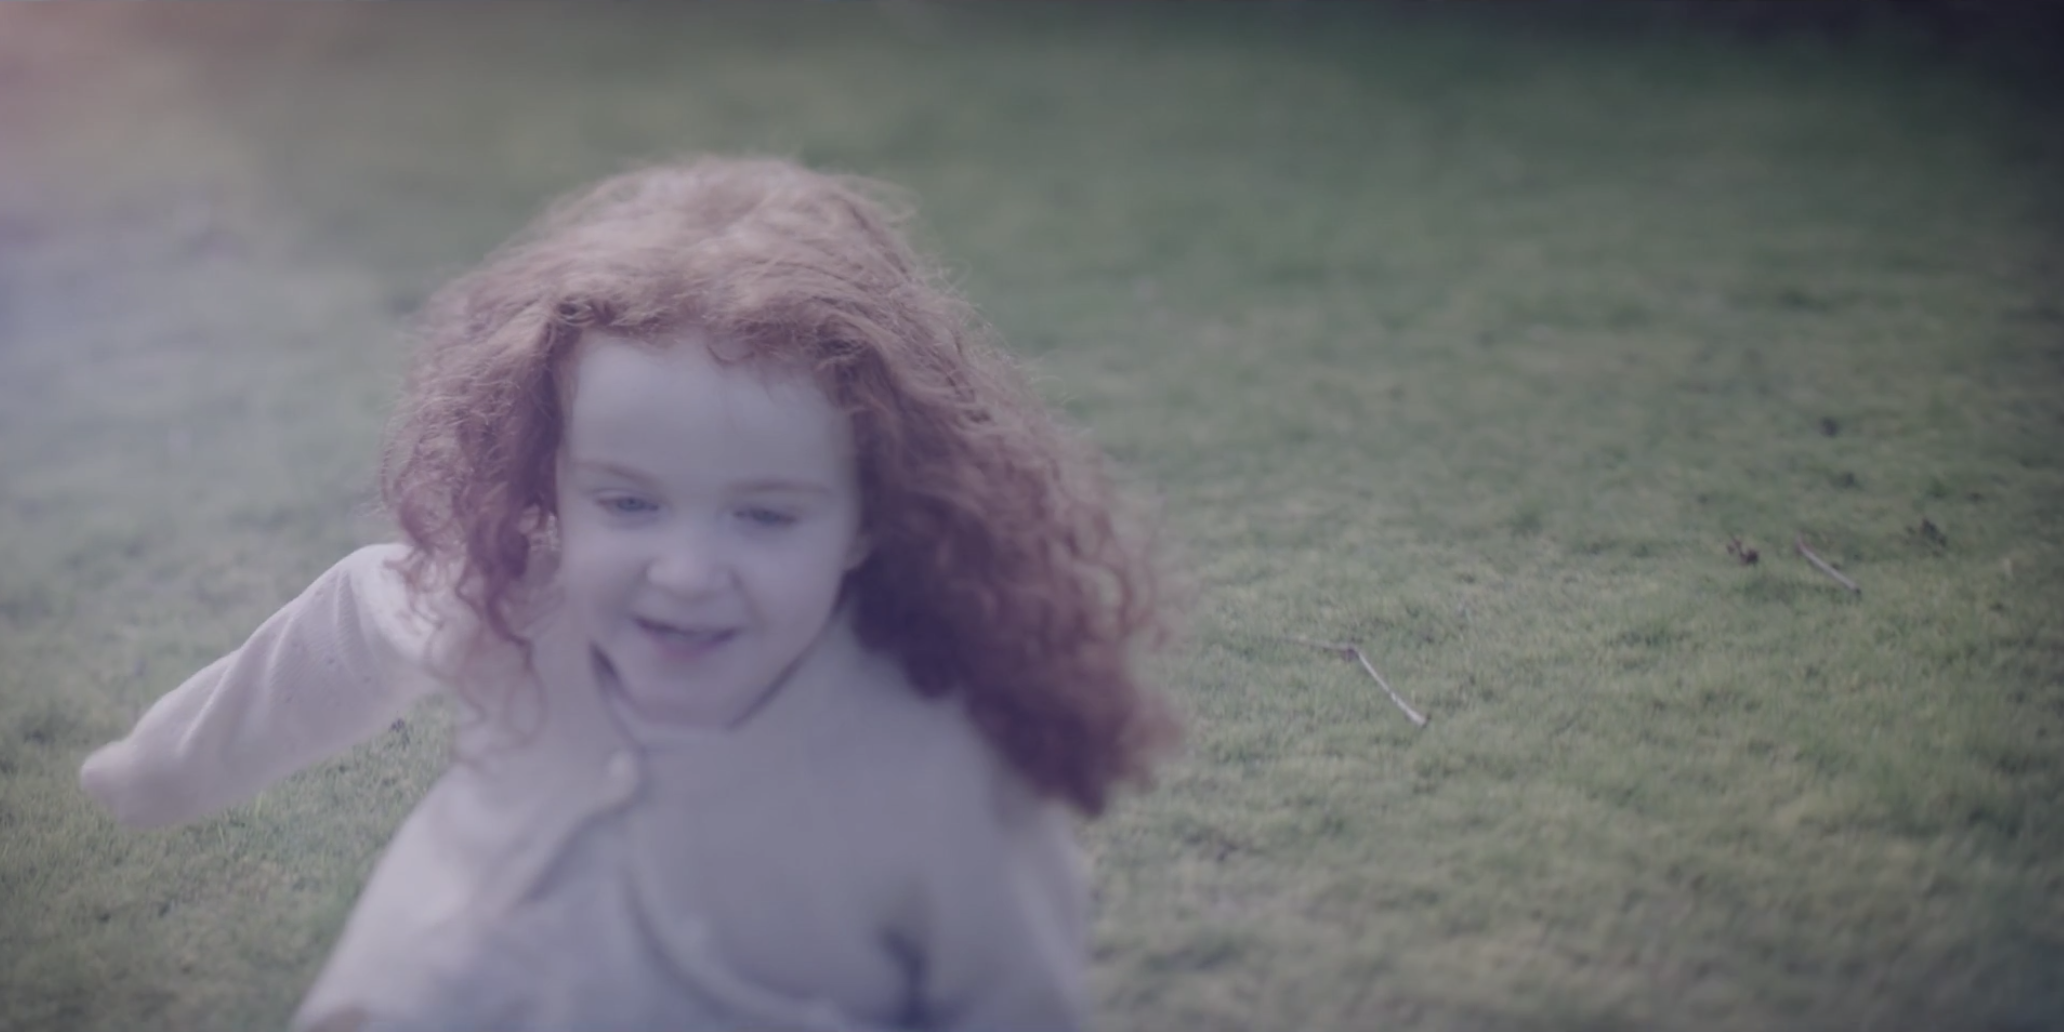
(920, 751)
(412, 607)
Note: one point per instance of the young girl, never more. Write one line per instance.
(785, 620)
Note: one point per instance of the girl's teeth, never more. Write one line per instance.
(686, 637)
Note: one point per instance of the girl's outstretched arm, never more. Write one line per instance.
(329, 670)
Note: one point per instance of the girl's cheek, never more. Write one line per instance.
(858, 548)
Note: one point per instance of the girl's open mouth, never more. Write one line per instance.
(685, 641)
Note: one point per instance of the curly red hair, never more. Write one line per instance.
(1000, 570)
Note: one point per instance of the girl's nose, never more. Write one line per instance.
(688, 566)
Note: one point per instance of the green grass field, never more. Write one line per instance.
(1469, 335)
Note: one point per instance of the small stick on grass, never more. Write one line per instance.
(1355, 653)
(1822, 565)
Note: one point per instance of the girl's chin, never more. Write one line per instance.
(694, 694)
(670, 701)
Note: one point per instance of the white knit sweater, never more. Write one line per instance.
(851, 856)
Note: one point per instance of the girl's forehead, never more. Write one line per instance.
(709, 356)
(622, 387)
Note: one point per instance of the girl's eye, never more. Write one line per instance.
(760, 516)
(627, 505)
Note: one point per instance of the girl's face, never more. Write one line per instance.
(707, 516)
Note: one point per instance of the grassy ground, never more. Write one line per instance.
(1467, 336)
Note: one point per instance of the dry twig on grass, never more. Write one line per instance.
(1354, 652)
(1822, 565)
(1743, 554)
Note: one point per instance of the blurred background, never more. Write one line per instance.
(1515, 342)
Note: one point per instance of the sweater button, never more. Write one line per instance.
(622, 775)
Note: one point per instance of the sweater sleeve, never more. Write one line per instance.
(1006, 945)
(329, 670)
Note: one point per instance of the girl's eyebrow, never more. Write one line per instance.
(760, 485)
(610, 469)
(778, 485)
